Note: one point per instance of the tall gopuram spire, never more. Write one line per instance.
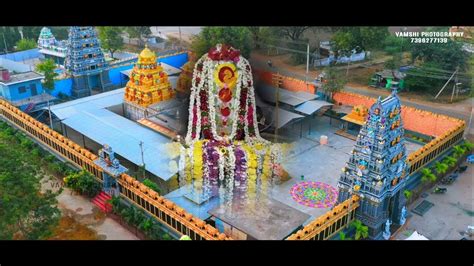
(377, 167)
(85, 61)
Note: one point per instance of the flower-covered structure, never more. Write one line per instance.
(148, 82)
(223, 153)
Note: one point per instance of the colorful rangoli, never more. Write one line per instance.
(314, 194)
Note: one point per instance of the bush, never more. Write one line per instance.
(147, 182)
(50, 158)
(83, 182)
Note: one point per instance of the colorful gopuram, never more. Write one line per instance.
(148, 91)
(223, 154)
(52, 48)
(377, 168)
(85, 62)
(148, 82)
(46, 38)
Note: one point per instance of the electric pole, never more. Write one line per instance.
(143, 159)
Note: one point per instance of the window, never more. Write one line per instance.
(33, 89)
(22, 89)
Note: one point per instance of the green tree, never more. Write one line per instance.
(31, 32)
(394, 45)
(83, 182)
(427, 175)
(111, 39)
(9, 36)
(25, 44)
(407, 193)
(60, 33)
(348, 38)
(422, 78)
(458, 151)
(450, 161)
(342, 236)
(446, 55)
(238, 37)
(139, 32)
(47, 68)
(260, 34)
(25, 211)
(333, 82)
(467, 145)
(343, 41)
(441, 168)
(362, 231)
(293, 33)
(147, 182)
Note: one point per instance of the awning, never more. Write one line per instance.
(293, 98)
(312, 106)
(284, 117)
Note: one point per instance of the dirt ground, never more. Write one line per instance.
(82, 220)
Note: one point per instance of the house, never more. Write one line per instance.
(23, 89)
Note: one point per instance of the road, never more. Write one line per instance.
(461, 110)
(451, 214)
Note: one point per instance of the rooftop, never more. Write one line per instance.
(22, 77)
(90, 117)
(124, 136)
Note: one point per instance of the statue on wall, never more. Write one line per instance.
(403, 215)
(386, 233)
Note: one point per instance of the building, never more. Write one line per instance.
(148, 85)
(50, 47)
(85, 62)
(376, 169)
(23, 89)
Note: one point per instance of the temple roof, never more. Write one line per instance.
(146, 56)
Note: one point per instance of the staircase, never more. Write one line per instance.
(29, 107)
(101, 201)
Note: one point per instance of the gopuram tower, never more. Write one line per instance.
(85, 62)
(377, 167)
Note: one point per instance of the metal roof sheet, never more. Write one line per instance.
(98, 101)
(124, 136)
(312, 106)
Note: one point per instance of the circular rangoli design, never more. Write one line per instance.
(314, 194)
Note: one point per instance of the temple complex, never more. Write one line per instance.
(377, 168)
(85, 62)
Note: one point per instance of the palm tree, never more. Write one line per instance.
(468, 145)
(146, 225)
(342, 236)
(116, 204)
(407, 194)
(450, 161)
(427, 175)
(441, 168)
(458, 151)
(362, 231)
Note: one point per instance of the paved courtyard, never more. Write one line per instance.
(451, 214)
(319, 163)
